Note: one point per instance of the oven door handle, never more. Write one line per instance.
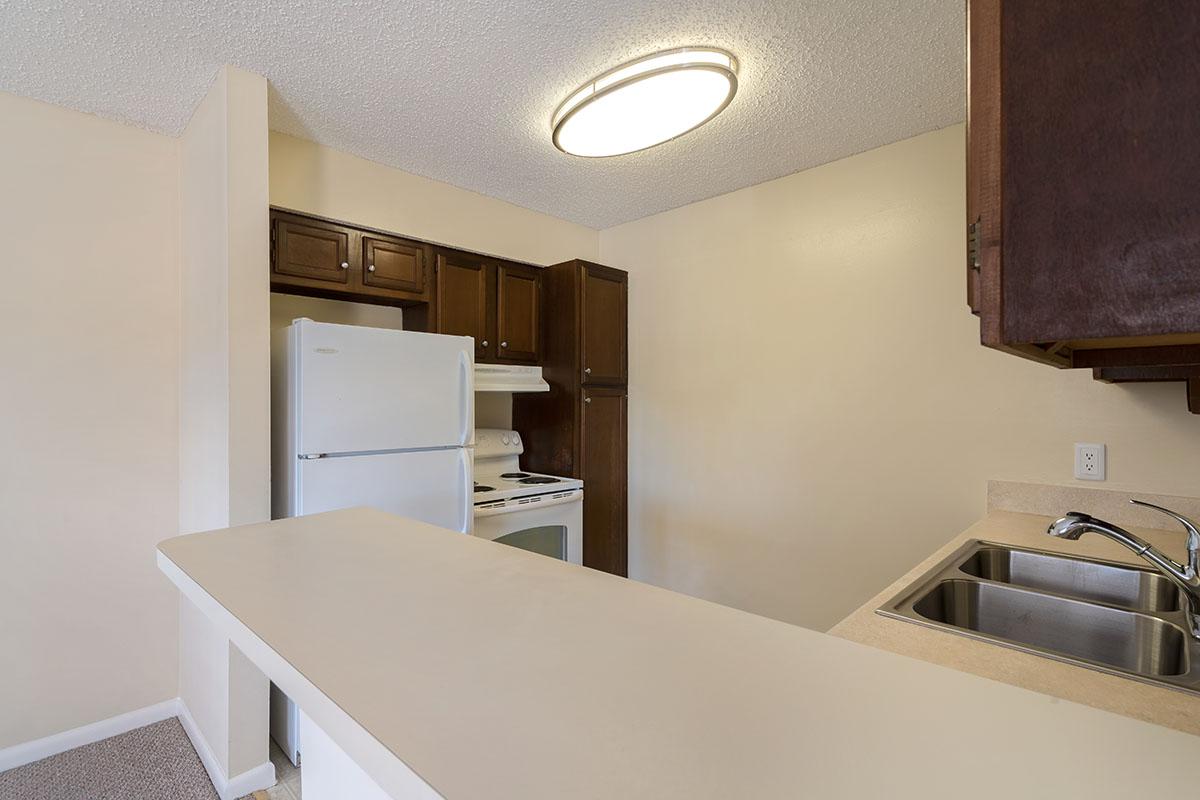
(574, 496)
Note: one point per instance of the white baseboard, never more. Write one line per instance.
(28, 752)
(260, 777)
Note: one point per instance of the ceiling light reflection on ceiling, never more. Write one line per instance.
(645, 102)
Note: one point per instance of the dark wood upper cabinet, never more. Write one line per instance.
(443, 290)
(602, 301)
(309, 252)
(1083, 147)
(320, 258)
(463, 307)
(496, 302)
(395, 264)
(518, 318)
(603, 435)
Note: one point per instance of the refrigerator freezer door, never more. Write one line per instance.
(433, 486)
(370, 389)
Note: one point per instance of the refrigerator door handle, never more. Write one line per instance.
(467, 494)
(466, 400)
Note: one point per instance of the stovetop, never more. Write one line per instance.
(498, 473)
(496, 487)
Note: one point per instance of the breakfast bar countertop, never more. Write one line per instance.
(492, 672)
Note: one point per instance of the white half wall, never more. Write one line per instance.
(89, 217)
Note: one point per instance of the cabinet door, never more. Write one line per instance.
(394, 265)
(308, 252)
(983, 166)
(1081, 174)
(462, 301)
(602, 325)
(603, 469)
(518, 325)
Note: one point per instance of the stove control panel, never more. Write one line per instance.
(491, 442)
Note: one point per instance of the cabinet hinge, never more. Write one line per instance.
(973, 245)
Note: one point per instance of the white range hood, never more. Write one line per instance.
(508, 378)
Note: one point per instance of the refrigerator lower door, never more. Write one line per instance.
(371, 390)
(433, 486)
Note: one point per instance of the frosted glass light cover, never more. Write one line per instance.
(645, 102)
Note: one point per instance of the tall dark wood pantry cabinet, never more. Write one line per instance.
(579, 428)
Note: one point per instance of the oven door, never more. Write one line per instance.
(549, 524)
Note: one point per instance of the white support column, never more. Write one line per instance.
(225, 403)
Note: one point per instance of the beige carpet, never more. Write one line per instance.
(156, 762)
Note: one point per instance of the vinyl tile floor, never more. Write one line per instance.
(155, 762)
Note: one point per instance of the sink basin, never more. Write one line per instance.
(1101, 581)
(1096, 614)
(1123, 640)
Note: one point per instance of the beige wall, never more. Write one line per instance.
(204, 345)
(318, 180)
(287, 307)
(225, 349)
(247, 167)
(810, 410)
(89, 217)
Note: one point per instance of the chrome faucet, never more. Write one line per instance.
(1186, 577)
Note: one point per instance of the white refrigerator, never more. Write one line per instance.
(369, 417)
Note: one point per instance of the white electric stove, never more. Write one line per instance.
(530, 510)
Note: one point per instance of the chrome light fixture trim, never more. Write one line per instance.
(709, 60)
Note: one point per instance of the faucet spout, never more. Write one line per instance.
(1185, 576)
(1193, 540)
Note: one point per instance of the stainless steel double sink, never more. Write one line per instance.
(1103, 615)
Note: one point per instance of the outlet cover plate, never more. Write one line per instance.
(1089, 461)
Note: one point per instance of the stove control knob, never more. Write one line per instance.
(516, 438)
(504, 438)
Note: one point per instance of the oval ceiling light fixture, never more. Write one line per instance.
(645, 102)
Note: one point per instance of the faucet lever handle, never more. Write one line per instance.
(1193, 542)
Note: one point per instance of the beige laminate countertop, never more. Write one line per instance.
(496, 673)
(1169, 707)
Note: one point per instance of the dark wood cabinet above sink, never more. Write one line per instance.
(1083, 150)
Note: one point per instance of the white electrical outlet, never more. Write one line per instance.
(1089, 461)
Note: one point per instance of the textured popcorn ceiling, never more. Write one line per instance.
(462, 90)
